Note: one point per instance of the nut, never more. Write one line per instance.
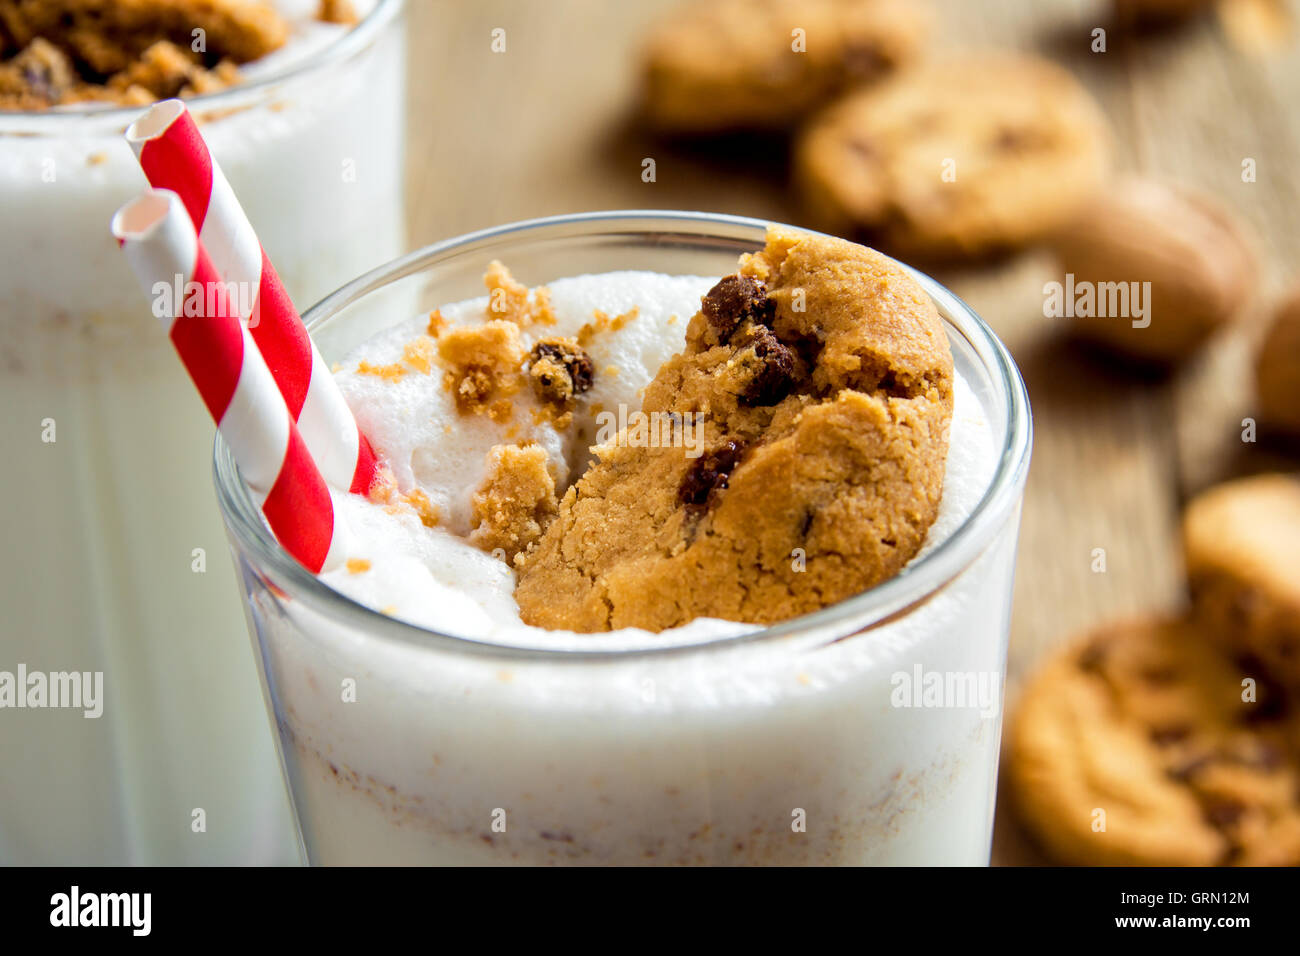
(1277, 369)
(1195, 255)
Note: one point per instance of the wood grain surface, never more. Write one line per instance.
(548, 127)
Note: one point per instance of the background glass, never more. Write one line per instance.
(114, 550)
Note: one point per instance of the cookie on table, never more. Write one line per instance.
(1277, 369)
(962, 156)
(1241, 544)
(815, 391)
(726, 65)
(1167, 268)
(1135, 747)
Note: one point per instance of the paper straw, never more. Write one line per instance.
(174, 156)
(232, 377)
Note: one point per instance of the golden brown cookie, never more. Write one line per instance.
(1241, 543)
(962, 156)
(762, 64)
(1140, 746)
(1156, 269)
(817, 384)
(1277, 369)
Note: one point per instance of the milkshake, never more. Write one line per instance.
(425, 717)
(110, 575)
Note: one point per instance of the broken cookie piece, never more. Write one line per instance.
(516, 501)
(482, 363)
(825, 430)
(560, 370)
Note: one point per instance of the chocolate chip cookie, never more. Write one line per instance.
(1241, 543)
(1277, 369)
(1141, 746)
(817, 381)
(763, 64)
(962, 156)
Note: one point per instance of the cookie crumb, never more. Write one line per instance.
(422, 506)
(436, 324)
(510, 300)
(358, 565)
(419, 354)
(389, 373)
(483, 363)
(560, 370)
(515, 502)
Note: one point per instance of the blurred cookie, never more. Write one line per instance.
(962, 156)
(1135, 747)
(1277, 369)
(1153, 270)
(727, 65)
(1241, 544)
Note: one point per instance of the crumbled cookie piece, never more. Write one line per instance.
(828, 429)
(511, 300)
(41, 75)
(1146, 722)
(125, 51)
(516, 501)
(483, 363)
(560, 370)
(603, 322)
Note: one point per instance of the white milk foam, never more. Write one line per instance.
(433, 577)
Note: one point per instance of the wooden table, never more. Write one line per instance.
(546, 127)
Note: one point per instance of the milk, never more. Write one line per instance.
(115, 560)
(411, 747)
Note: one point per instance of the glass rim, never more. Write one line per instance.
(355, 40)
(914, 585)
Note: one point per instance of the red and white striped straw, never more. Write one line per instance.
(232, 377)
(174, 156)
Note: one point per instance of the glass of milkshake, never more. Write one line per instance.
(109, 573)
(421, 721)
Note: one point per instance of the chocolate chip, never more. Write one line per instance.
(734, 299)
(774, 372)
(1222, 812)
(1164, 736)
(710, 472)
(559, 370)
